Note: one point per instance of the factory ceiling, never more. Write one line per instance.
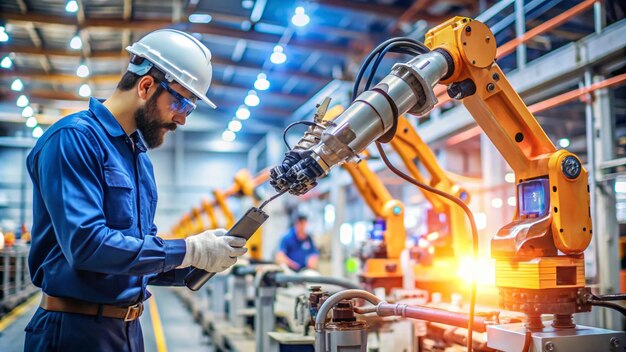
(47, 41)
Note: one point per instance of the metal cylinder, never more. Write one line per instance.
(346, 337)
(344, 332)
(432, 314)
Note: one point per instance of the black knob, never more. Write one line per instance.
(460, 90)
(571, 167)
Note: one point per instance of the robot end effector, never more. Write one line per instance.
(372, 116)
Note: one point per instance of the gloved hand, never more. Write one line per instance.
(212, 251)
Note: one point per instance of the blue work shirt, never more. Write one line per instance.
(94, 200)
(297, 250)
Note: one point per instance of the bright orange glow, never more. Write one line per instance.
(483, 271)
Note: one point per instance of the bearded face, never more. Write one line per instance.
(150, 124)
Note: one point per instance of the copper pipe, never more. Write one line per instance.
(571, 95)
(509, 46)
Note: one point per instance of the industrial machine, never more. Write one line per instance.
(539, 254)
(448, 239)
(382, 267)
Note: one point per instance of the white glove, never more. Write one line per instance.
(212, 251)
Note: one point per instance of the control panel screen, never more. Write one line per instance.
(533, 198)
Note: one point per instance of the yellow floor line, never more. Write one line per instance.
(18, 311)
(157, 327)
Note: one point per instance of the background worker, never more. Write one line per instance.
(94, 244)
(297, 249)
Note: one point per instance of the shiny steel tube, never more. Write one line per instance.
(285, 278)
(431, 314)
(373, 112)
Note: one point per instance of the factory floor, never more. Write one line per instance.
(167, 325)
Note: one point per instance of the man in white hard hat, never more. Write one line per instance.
(94, 244)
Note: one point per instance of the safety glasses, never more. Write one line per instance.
(181, 105)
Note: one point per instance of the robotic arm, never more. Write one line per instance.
(372, 116)
(540, 253)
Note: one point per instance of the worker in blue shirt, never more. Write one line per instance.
(94, 244)
(297, 249)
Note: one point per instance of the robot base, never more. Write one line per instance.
(510, 337)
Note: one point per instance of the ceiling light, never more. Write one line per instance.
(243, 113)
(82, 71)
(509, 177)
(228, 136)
(278, 57)
(564, 142)
(200, 18)
(76, 43)
(4, 36)
(261, 82)
(71, 6)
(84, 90)
(22, 101)
(31, 122)
(246, 25)
(247, 4)
(300, 19)
(252, 99)
(511, 201)
(6, 62)
(17, 85)
(37, 132)
(496, 203)
(234, 125)
(27, 112)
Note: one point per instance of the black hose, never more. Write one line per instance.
(470, 216)
(611, 305)
(610, 297)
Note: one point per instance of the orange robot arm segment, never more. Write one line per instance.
(515, 132)
(208, 209)
(220, 200)
(382, 204)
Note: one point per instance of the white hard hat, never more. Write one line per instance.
(180, 56)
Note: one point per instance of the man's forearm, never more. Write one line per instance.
(282, 258)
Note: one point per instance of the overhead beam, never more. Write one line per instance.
(153, 24)
(108, 79)
(42, 94)
(263, 113)
(417, 7)
(114, 54)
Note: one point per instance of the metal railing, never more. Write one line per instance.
(15, 283)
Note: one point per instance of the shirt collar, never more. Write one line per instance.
(104, 116)
(138, 140)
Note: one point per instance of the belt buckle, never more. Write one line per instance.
(133, 312)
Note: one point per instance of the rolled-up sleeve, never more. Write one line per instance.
(70, 174)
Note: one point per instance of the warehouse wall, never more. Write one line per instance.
(15, 189)
(183, 184)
